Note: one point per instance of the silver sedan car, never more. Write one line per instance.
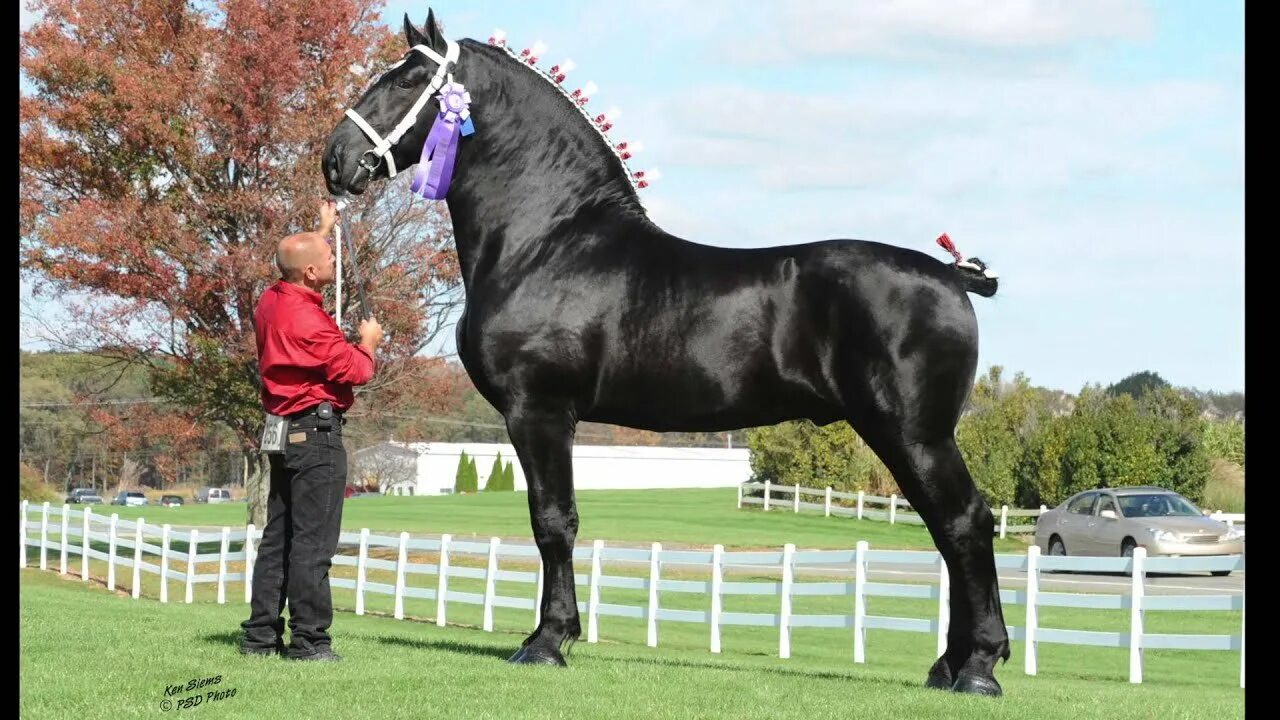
(1114, 521)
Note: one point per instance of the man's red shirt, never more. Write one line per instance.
(302, 356)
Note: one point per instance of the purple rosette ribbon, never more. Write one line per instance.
(440, 151)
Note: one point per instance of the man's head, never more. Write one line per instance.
(305, 259)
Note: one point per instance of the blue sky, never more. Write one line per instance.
(1091, 151)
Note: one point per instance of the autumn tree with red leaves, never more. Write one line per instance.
(166, 148)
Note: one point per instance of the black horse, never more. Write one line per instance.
(578, 308)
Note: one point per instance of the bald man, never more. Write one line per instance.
(308, 371)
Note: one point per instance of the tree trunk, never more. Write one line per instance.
(257, 486)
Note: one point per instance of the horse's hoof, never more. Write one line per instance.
(977, 685)
(939, 676)
(534, 655)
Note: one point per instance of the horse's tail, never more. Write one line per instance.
(976, 279)
(975, 274)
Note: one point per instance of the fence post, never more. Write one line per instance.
(222, 565)
(137, 558)
(767, 486)
(164, 563)
(739, 496)
(860, 600)
(111, 552)
(893, 508)
(537, 601)
(1242, 642)
(1136, 597)
(795, 500)
(1033, 615)
(717, 587)
(860, 504)
(1044, 509)
(250, 559)
(84, 543)
(489, 583)
(944, 604)
(401, 559)
(826, 504)
(44, 536)
(784, 616)
(442, 583)
(361, 570)
(652, 639)
(1004, 520)
(194, 538)
(593, 601)
(22, 536)
(66, 519)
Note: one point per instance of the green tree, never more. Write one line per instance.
(461, 479)
(1177, 436)
(510, 476)
(1040, 470)
(992, 433)
(1138, 384)
(813, 456)
(498, 481)
(1225, 439)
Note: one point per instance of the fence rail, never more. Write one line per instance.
(78, 528)
(896, 509)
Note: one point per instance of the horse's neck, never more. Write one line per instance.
(534, 173)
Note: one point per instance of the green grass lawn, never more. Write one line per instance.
(686, 517)
(88, 653)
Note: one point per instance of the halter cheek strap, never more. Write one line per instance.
(382, 146)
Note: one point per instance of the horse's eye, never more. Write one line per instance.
(404, 84)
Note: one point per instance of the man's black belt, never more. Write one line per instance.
(324, 411)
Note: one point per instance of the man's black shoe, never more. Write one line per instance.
(324, 654)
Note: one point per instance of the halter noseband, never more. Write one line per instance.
(382, 147)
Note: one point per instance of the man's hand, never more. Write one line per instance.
(370, 335)
(328, 217)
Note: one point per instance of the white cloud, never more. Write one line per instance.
(947, 136)
(914, 29)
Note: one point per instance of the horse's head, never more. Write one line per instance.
(352, 157)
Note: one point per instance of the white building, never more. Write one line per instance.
(431, 468)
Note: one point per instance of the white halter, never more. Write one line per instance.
(382, 147)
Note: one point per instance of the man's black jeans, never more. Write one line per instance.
(304, 518)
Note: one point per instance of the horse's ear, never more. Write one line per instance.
(435, 38)
(411, 34)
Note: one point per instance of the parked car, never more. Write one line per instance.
(132, 498)
(77, 493)
(171, 501)
(213, 495)
(1114, 521)
(84, 496)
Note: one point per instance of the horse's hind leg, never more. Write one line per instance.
(543, 440)
(934, 479)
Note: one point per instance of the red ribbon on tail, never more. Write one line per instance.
(950, 247)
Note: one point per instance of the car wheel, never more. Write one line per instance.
(1220, 573)
(1126, 550)
(1056, 547)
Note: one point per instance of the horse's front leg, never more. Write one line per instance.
(543, 440)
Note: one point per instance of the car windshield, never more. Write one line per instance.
(1157, 505)
(135, 495)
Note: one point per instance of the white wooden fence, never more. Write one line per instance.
(896, 509)
(88, 527)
